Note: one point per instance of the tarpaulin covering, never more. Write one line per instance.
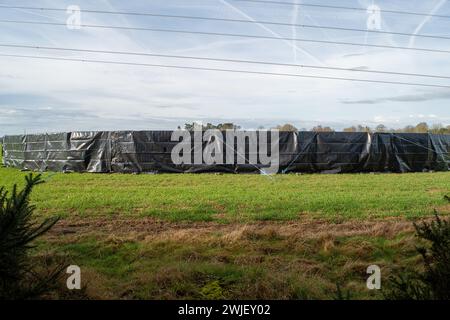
(151, 151)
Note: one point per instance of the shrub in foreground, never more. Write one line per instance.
(18, 276)
(434, 282)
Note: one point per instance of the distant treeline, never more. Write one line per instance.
(422, 127)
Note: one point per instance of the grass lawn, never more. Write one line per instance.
(238, 198)
(233, 236)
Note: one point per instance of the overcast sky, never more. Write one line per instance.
(48, 96)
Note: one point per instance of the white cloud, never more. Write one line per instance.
(109, 93)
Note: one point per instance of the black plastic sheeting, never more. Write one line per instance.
(150, 152)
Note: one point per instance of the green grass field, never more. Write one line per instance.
(232, 236)
(238, 198)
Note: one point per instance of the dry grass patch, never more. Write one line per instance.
(152, 259)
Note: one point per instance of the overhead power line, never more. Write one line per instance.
(168, 16)
(222, 60)
(226, 70)
(343, 8)
(232, 35)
